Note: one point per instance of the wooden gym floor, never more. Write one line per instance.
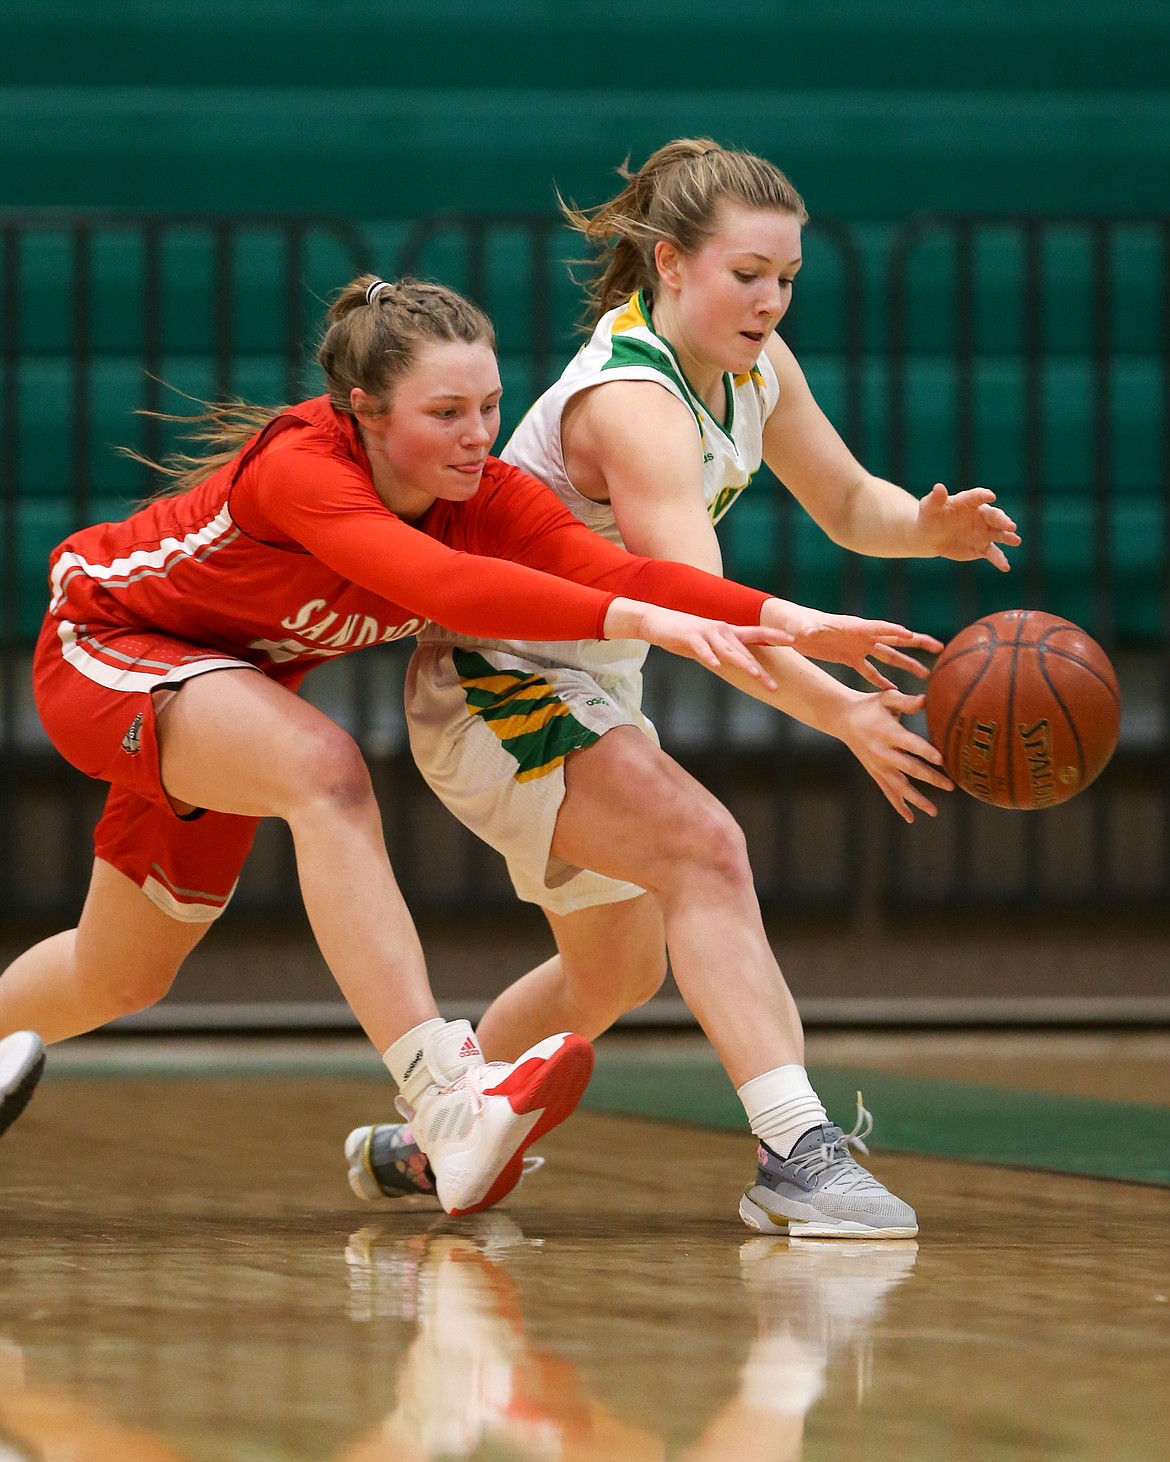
(184, 1275)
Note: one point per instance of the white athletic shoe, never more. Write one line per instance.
(22, 1059)
(476, 1130)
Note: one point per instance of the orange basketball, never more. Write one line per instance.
(1025, 708)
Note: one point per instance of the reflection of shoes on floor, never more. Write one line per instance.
(470, 1383)
(383, 1274)
(456, 1383)
(476, 1130)
(821, 1191)
(383, 1267)
(827, 1292)
(22, 1059)
(782, 1373)
(825, 1296)
(495, 1233)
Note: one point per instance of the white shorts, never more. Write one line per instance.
(490, 732)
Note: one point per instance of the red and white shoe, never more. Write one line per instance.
(476, 1130)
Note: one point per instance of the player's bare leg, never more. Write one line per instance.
(122, 957)
(631, 812)
(234, 741)
(610, 959)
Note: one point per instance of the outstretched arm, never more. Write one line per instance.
(635, 444)
(868, 723)
(863, 512)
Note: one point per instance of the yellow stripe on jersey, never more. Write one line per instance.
(631, 317)
(535, 727)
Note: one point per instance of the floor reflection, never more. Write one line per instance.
(44, 1423)
(472, 1381)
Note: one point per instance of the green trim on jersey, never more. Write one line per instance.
(632, 351)
(535, 727)
(638, 311)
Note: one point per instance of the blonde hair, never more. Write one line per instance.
(673, 196)
(371, 342)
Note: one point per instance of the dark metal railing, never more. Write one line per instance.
(223, 306)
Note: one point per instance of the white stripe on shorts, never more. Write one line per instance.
(75, 651)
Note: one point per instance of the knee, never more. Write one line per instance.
(698, 833)
(138, 984)
(723, 845)
(645, 975)
(328, 770)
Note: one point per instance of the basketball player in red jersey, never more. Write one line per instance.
(341, 522)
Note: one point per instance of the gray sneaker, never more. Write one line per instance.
(821, 1191)
(386, 1162)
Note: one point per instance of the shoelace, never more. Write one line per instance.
(406, 1111)
(828, 1153)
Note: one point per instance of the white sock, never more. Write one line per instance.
(434, 1053)
(781, 1106)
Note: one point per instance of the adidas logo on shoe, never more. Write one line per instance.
(469, 1047)
(476, 1131)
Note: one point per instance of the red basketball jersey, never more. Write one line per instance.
(286, 556)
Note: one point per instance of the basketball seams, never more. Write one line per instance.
(966, 696)
(1077, 660)
(1064, 711)
(1051, 693)
(1010, 716)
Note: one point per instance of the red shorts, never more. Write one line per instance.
(94, 691)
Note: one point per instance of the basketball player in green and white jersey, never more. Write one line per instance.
(651, 433)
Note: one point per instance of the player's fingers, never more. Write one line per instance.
(996, 556)
(733, 652)
(896, 634)
(871, 673)
(704, 653)
(909, 639)
(895, 798)
(902, 704)
(917, 798)
(758, 634)
(923, 771)
(889, 656)
(997, 519)
(917, 746)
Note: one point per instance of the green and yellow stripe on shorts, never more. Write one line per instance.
(535, 727)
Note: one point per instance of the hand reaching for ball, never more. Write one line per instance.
(966, 525)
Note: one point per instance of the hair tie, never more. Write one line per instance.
(374, 289)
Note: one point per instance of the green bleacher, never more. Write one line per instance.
(383, 113)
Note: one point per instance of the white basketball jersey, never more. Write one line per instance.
(624, 347)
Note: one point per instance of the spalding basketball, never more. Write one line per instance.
(1025, 708)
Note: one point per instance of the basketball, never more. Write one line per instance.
(1025, 708)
